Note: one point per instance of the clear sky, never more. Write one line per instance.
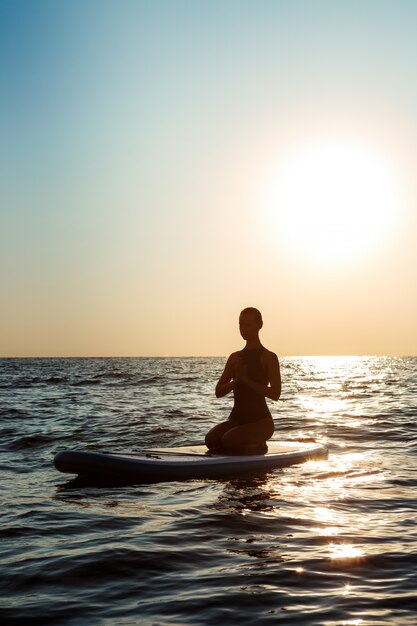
(164, 164)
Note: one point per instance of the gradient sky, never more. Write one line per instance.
(139, 143)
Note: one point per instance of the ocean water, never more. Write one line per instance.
(323, 543)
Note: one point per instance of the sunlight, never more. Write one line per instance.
(328, 532)
(345, 551)
(333, 201)
(320, 406)
(323, 514)
(347, 589)
(336, 473)
(336, 400)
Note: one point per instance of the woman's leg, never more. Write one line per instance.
(248, 438)
(214, 436)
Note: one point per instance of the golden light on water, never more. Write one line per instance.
(324, 514)
(337, 380)
(332, 369)
(345, 551)
(324, 405)
(329, 531)
(347, 589)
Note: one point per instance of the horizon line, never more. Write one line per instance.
(204, 356)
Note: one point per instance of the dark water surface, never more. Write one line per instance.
(331, 542)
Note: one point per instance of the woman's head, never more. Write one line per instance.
(254, 314)
(250, 323)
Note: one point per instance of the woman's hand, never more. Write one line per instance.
(271, 365)
(227, 380)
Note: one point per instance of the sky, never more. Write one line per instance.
(166, 163)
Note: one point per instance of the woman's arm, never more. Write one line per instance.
(227, 380)
(273, 389)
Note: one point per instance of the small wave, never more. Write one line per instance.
(119, 381)
(86, 382)
(175, 413)
(164, 431)
(30, 441)
(149, 381)
(110, 378)
(23, 383)
(13, 413)
(116, 375)
(55, 380)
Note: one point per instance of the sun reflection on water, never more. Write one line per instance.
(323, 514)
(328, 387)
(347, 589)
(328, 531)
(322, 406)
(328, 363)
(345, 551)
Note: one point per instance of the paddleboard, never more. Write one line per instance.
(182, 463)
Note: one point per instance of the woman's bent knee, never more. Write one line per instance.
(213, 438)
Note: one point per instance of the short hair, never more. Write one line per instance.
(250, 310)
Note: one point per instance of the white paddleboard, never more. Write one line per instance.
(161, 464)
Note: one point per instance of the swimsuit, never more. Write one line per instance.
(250, 406)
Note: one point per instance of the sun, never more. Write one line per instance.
(332, 201)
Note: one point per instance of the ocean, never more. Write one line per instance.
(322, 543)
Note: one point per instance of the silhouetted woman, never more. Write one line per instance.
(253, 375)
